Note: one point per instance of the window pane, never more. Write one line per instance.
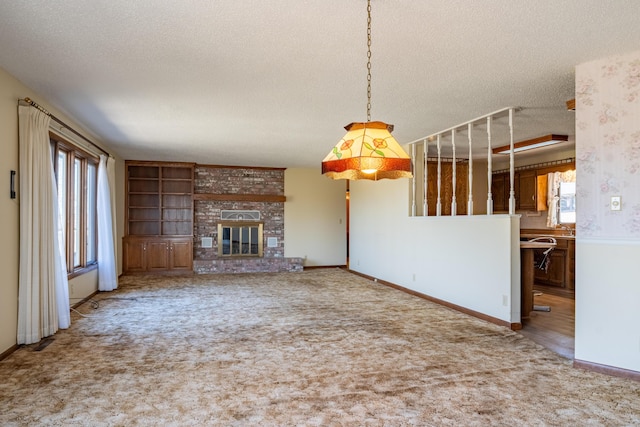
(77, 212)
(226, 241)
(62, 201)
(235, 240)
(91, 213)
(254, 240)
(567, 203)
(245, 240)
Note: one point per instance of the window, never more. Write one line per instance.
(567, 205)
(240, 239)
(76, 181)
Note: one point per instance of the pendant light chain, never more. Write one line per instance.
(368, 60)
(368, 150)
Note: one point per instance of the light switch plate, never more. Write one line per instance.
(616, 203)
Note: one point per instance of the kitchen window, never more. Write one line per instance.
(567, 204)
(562, 198)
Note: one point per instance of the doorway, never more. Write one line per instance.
(553, 329)
(552, 322)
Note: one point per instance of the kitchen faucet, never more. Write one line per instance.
(568, 229)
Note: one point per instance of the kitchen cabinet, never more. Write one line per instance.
(500, 185)
(561, 269)
(571, 267)
(526, 190)
(159, 217)
(530, 191)
(446, 187)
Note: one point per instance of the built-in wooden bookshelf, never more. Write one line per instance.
(159, 211)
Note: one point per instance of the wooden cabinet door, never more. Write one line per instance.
(446, 187)
(526, 191)
(157, 255)
(570, 279)
(500, 192)
(541, 275)
(135, 259)
(557, 268)
(181, 255)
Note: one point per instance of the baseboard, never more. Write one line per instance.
(607, 370)
(8, 351)
(317, 267)
(482, 316)
(83, 300)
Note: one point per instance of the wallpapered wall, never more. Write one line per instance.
(608, 147)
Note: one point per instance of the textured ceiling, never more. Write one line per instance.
(271, 83)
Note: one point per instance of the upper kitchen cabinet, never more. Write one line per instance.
(500, 184)
(531, 192)
(446, 187)
(530, 187)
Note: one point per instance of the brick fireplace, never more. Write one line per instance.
(224, 188)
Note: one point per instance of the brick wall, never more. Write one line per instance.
(239, 181)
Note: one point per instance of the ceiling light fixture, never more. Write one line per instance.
(368, 150)
(530, 144)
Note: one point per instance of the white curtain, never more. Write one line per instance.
(553, 194)
(553, 184)
(107, 274)
(43, 289)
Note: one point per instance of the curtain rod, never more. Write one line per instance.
(57, 120)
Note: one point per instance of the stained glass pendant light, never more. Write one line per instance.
(368, 150)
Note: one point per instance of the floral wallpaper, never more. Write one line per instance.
(608, 147)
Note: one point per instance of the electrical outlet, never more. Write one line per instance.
(414, 277)
(616, 203)
(505, 300)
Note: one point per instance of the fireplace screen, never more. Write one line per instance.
(240, 239)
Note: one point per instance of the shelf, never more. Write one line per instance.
(143, 172)
(159, 199)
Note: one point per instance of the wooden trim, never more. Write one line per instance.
(544, 167)
(159, 164)
(318, 267)
(240, 167)
(571, 104)
(529, 142)
(82, 270)
(476, 314)
(8, 351)
(559, 168)
(267, 198)
(547, 231)
(607, 370)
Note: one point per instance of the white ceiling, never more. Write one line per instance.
(271, 83)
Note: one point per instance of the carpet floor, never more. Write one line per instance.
(317, 348)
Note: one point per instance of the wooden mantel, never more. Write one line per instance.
(266, 198)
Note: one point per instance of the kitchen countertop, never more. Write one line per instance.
(537, 245)
(534, 235)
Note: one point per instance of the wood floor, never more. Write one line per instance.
(553, 329)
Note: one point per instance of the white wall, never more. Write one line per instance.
(608, 242)
(314, 217)
(470, 261)
(608, 303)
